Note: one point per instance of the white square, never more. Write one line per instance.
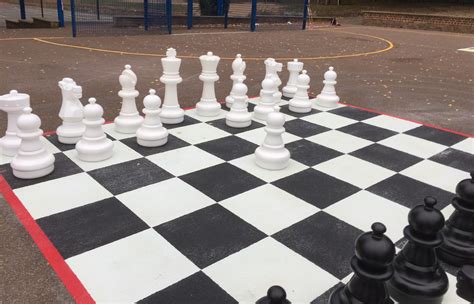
(364, 208)
(413, 145)
(61, 194)
(391, 123)
(329, 120)
(174, 198)
(269, 202)
(247, 274)
(257, 136)
(184, 160)
(110, 129)
(354, 170)
(466, 145)
(198, 133)
(247, 163)
(324, 109)
(192, 113)
(121, 154)
(436, 175)
(451, 297)
(131, 268)
(340, 141)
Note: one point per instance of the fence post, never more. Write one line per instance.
(145, 14)
(97, 9)
(253, 18)
(73, 18)
(22, 9)
(169, 15)
(190, 14)
(59, 4)
(226, 17)
(305, 14)
(220, 7)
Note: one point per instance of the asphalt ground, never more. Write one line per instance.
(418, 75)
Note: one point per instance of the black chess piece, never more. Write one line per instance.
(418, 277)
(275, 295)
(458, 246)
(465, 283)
(372, 265)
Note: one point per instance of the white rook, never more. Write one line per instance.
(13, 104)
(129, 119)
(208, 105)
(171, 112)
(294, 67)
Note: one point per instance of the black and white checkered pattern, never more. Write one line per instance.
(196, 221)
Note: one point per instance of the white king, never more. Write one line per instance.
(208, 105)
(171, 112)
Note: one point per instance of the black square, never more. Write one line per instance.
(196, 289)
(409, 192)
(436, 135)
(63, 167)
(220, 123)
(228, 148)
(188, 120)
(87, 227)
(173, 143)
(324, 240)
(456, 159)
(366, 131)
(286, 110)
(303, 128)
(353, 113)
(316, 188)
(129, 175)
(222, 181)
(309, 153)
(209, 234)
(386, 157)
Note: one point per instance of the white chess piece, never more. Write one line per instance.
(301, 102)
(273, 68)
(129, 119)
(272, 154)
(294, 68)
(71, 112)
(13, 104)
(239, 116)
(94, 145)
(238, 68)
(152, 133)
(266, 103)
(32, 159)
(171, 112)
(208, 105)
(328, 97)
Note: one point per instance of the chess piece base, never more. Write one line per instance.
(32, 165)
(128, 124)
(238, 124)
(96, 153)
(261, 112)
(327, 101)
(340, 297)
(9, 145)
(71, 136)
(152, 143)
(272, 159)
(154, 137)
(229, 100)
(300, 107)
(172, 115)
(454, 254)
(208, 108)
(402, 297)
(289, 92)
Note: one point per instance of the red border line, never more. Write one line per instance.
(49, 251)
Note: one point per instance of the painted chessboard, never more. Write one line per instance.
(196, 221)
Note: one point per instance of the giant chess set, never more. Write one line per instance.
(252, 200)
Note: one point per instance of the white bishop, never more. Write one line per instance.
(129, 119)
(238, 68)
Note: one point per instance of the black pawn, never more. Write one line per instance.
(458, 233)
(372, 265)
(275, 295)
(465, 283)
(418, 277)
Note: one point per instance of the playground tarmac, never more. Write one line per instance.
(418, 75)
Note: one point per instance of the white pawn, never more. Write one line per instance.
(272, 154)
(32, 159)
(328, 97)
(208, 105)
(294, 67)
(301, 102)
(171, 112)
(239, 116)
(129, 119)
(94, 145)
(266, 103)
(238, 68)
(152, 133)
(71, 112)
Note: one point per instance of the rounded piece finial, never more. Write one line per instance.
(240, 89)
(152, 92)
(295, 60)
(331, 68)
(465, 189)
(268, 84)
(238, 56)
(92, 100)
(13, 92)
(276, 294)
(27, 110)
(128, 67)
(275, 119)
(210, 54)
(430, 202)
(28, 121)
(378, 229)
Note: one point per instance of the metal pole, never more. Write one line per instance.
(97, 9)
(59, 4)
(145, 14)
(220, 7)
(226, 18)
(42, 9)
(73, 18)
(305, 14)
(169, 15)
(22, 9)
(190, 14)
(253, 18)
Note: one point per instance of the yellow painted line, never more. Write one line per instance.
(29, 38)
(388, 47)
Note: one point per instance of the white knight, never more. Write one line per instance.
(71, 112)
